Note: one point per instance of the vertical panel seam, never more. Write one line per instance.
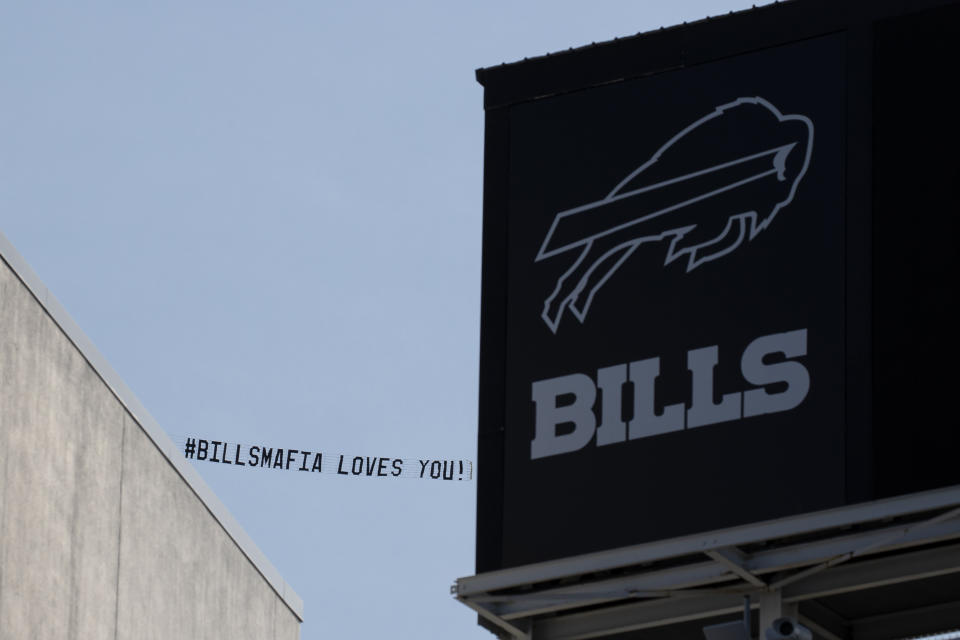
(123, 439)
(3, 508)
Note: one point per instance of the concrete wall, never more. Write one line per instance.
(100, 535)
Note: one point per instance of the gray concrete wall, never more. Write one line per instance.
(101, 536)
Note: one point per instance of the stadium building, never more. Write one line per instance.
(105, 530)
(718, 329)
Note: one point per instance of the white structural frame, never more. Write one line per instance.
(778, 563)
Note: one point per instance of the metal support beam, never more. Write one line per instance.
(514, 631)
(757, 563)
(893, 537)
(733, 559)
(904, 624)
(549, 600)
(818, 551)
(868, 574)
(641, 615)
(689, 589)
(863, 574)
(824, 622)
(770, 605)
(697, 575)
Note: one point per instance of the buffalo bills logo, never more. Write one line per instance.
(712, 187)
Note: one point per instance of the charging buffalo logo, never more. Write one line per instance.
(714, 184)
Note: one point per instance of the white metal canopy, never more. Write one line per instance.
(873, 571)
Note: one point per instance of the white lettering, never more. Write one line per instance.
(581, 391)
(646, 422)
(702, 411)
(610, 381)
(546, 440)
(792, 345)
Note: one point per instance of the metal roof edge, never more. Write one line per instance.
(482, 72)
(20, 267)
(610, 559)
(678, 46)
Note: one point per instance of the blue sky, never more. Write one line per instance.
(267, 216)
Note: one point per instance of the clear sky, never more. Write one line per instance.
(267, 216)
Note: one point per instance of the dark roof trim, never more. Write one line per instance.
(483, 72)
(680, 46)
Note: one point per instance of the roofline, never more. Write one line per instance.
(122, 392)
(682, 46)
(482, 72)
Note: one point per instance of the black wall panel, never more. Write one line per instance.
(761, 207)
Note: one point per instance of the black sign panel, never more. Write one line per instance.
(718, 277)
(675, 303)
